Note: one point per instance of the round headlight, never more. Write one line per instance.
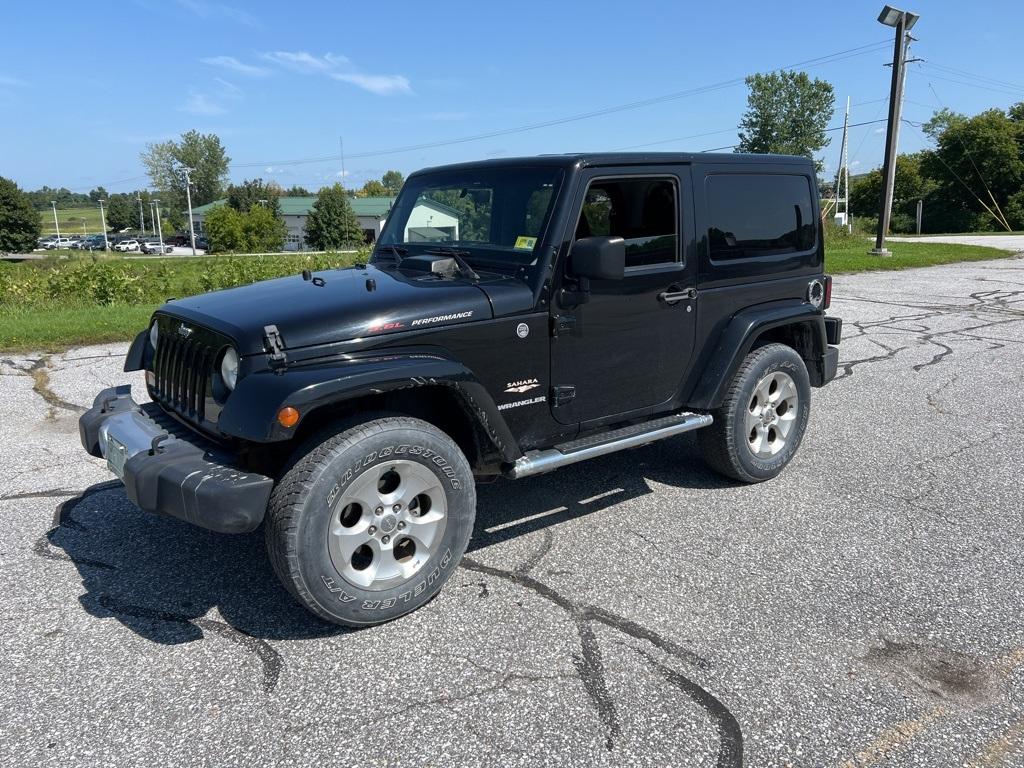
(154, 334)
(229, 367)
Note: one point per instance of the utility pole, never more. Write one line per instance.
(843, 175)
(188, 196)
(152, 217)
(903, 21)
(341, 147)
(55, 224)
(159, 226)
(103, 223)
(142, 218)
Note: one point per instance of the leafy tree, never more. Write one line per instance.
(910, 186)
(296, 191)
(97, 194)
(787, 113)
(254, 231)
(263, 231)
(977, 166)
(64, 197)
(224, 229)
(332, 224)
(373, 188)
(393, 182)
(250, 192)
(19, 221)
(165, 163)
(122, 212)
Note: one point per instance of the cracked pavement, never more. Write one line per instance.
(862, 609)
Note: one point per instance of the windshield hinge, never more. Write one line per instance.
(562, 395)
(274, 345)
(563, 324)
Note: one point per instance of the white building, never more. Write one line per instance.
(429, 220)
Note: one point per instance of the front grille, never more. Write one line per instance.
(183, 367)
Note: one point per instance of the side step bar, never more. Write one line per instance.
(536, 462)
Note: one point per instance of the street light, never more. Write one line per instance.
(159, 226)
(902, 21)
(188, 195)
(55, 224)
(103, 223)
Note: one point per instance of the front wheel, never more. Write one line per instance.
(762, 419)
(370, 523)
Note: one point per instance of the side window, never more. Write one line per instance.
(642, 211)
(758, 215)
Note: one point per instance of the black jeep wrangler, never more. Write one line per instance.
(516, 316)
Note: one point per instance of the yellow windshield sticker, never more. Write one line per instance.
(526, 243)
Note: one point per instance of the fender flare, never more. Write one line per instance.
(250, 413)
(739, 336)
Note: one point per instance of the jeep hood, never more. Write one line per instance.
(351, 303)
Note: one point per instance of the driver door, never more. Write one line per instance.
(626, 349)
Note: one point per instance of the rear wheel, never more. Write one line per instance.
(370, 523)
(762, 419)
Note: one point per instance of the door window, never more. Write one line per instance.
(643, 211)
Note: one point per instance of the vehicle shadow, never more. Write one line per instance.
(160, 577)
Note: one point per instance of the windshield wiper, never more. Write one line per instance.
(457, 256)
(397, 251)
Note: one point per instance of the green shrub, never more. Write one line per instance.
(83, 283)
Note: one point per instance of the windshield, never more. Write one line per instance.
(496, 216)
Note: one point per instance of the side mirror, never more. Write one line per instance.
(598, 258)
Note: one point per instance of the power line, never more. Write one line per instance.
(965, 73)
(817, 61)
(994, 89)
(830, 58)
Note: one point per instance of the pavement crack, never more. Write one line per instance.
(590, 668)
(268, 656)
(40, 373)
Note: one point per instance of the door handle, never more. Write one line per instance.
(676, 294)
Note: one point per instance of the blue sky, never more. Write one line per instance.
(85, 86)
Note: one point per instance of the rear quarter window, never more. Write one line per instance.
(754, 215)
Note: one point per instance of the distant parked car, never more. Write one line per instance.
(127, 245)
(93, 243)
(73, 242)
(58, 242)
(44, 242)
(153, 246)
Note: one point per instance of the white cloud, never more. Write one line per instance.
(879, 130)
(13, 82)
(230, 62)
(855, 163)
(201, 104)
(301, 61)
(343, 174)
(228, 89)
(208, 10)
(379, 84)
(338, 68)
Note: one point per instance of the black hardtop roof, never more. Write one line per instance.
(597, 159)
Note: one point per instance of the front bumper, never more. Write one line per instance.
(169, 469)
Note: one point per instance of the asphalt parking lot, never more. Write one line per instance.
(865, 608)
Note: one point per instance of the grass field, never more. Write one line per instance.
(35, 315)
(853, 256)
(71, 220)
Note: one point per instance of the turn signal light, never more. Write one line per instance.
(828, 292)
(288, 417)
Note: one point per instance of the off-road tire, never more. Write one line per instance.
(302, 511)
(725, 443)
